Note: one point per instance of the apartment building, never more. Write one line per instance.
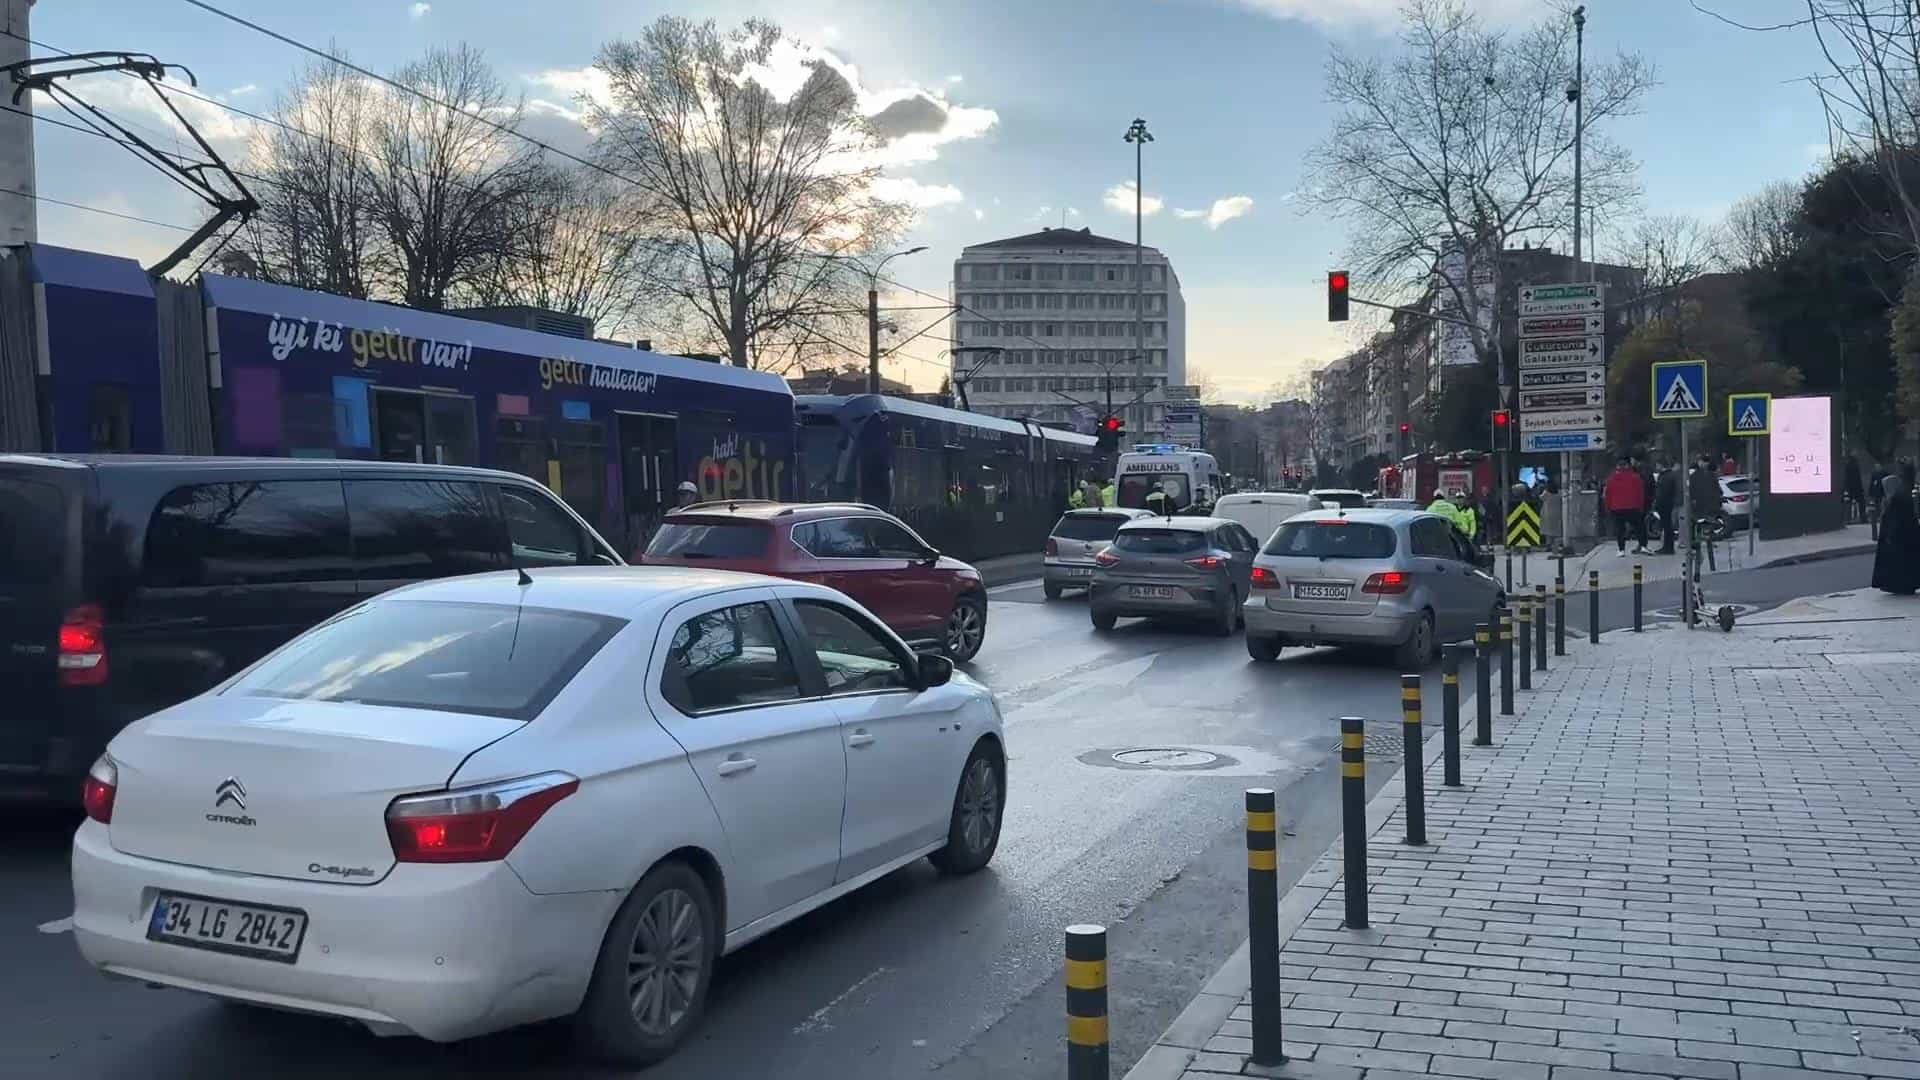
(1046, 320)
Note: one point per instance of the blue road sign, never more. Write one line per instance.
(1541, 442)
(1680, 390)
(1749, 414)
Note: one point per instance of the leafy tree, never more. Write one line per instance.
(1736, 359)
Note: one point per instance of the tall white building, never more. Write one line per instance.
(1045, 319)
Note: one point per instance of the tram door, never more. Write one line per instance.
(430, 429)
(649, 473)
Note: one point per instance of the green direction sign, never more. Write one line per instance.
(1586, 290)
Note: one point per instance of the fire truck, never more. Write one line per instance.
(1420, 476)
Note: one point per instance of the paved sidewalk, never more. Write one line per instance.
(1730, 554)
(1691, 855)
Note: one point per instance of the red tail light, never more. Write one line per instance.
(1263, 578)
(1106, 558)
(1205, 562)
(1053, 546)
(96, 792)
(476, 824)
(83, 647)
(1388, 583)
(1737, 498)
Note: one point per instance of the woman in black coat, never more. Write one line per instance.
(1896, 564)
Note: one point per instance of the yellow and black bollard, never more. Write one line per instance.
(1540, 628)
(1450, 713)
(1483, 685)
(1638, 594)
(1087, 1003)
(1414, 774)
(1353, 812)
(1506, 661)
(1263, 925)
(1593, 606)
(1525, 641)
(1560, 616)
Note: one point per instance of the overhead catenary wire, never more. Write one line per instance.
(37, 197)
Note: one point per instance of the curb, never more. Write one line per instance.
(1821, 556)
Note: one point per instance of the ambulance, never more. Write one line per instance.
(1190, 479)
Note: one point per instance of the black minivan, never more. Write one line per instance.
(130, 583)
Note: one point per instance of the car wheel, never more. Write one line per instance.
(1417, 650)
(973, 830)
(650, 982)
(1227, 617)
(1264, 649)
(966, 629)
(1103, 620)
(1051, 590)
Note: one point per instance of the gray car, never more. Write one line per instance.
(1174, 567)
(1401, 579)
(1077, 537)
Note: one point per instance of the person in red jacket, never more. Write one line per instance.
(1625, 497)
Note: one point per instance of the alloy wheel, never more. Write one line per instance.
(663, 967)
(964, 630)
(979, 805)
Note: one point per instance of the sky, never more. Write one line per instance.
(1017, 112)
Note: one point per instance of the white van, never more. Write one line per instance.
(1190, 478)
(1261, 512)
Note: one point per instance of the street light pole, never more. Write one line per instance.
(1138, 135)
(873, 315)
(1577, 93)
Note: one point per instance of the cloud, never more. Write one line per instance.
(1382, 14)
(243, 91)
(1221, 212)
(418, 11)
(979, 214)
(1073, 211)
(956, 78)
(916, 194)
(1120, 199)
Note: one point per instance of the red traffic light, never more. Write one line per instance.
(1404, 428)
(1337, 280)
(1336, 296)
(1500, 418)
(1111, 423)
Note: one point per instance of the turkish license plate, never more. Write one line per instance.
(1079, 571)
(1321, 592)
(204, 922)
(1152, 592)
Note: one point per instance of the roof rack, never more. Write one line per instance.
(728, 503)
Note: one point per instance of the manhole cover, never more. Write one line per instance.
(1381, 743)
(1166, 757)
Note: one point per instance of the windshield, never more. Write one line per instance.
(709, 540)
(823, 446)
(1332, 539)
(486, 659)
(1088, 526)
(1736, 484)
(1160, 541)
(1346, 500)
(1135, 487)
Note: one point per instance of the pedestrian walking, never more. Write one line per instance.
(1666, 503)
(1728, 466)
(1896, 561)
(1626, 501)
(1644, 466)
(1703, 495)
(1853, 490)
(685, 495)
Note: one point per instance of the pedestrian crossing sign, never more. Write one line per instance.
(1680, 390)
(1749, 414)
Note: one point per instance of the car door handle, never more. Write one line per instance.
(736, 764)
(859, 738)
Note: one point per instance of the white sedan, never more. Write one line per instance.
(487, 801)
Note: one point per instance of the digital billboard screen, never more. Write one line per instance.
(1800, 449)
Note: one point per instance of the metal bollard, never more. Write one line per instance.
(1638, 591)
(1525, 641)
(1483, 685)
(1353, 812)
(1415, 743)
(1506, 662)
(1540, 628)
(1450, 713)
(1593, 606)
(1087, 1003)
(1560, 617)
(1263, 925)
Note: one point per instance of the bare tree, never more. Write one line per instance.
(1758, 233)
(1671, 251)
(314, 228)
(1462, 141)
(446, 185)
(760, 187)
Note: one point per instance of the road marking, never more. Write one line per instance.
(1102, 679)
(57, 926)
(1014, 586)
(818, 1021)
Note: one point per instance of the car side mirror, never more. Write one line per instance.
(930, 557)
(935, 670)
(1484, 560)
(603, 559)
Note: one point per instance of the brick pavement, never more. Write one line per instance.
(1691, 855)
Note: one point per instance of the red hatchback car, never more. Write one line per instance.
(932, 601)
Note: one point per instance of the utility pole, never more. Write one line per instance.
(873, 314)
(1138, 135)
(1576, 92)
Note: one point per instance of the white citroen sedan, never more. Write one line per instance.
(478, 802)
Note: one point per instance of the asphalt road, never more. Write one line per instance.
(916, 973)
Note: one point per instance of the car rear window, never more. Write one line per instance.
(1089, 526)
(33, 532)
(485, 659)
(1738, 484)
(709, 540)
(1160, 541)
(1332, 539)
(1347, 500)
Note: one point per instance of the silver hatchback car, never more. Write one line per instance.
(1077, 537)
(1174, 567)
(1401, 579)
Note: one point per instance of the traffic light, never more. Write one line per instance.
(1107, 440)
(1502, 429)
(1336, 296)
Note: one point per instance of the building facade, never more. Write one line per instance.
(1046, 326)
